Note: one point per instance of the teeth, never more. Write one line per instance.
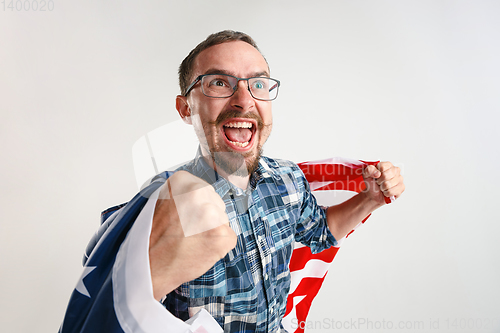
(239, 124)
(239, 144)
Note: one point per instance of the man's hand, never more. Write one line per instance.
(190, 232)
(383, 180)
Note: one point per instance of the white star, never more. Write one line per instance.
(80, 287)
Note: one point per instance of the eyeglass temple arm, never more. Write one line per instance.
(192, 85)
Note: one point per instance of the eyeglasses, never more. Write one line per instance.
(223, 86)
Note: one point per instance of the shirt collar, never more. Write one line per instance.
(200, 168)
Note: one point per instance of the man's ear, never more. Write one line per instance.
(183, 108)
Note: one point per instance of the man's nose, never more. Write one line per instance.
(242, 97)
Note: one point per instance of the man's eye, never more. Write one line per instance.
(259, 85)
(219, 83)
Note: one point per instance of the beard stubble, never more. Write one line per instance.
(234, 163)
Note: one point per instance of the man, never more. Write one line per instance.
(226, 247)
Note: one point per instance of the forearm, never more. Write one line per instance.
(344, 217)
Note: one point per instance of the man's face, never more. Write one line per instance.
(236, 127)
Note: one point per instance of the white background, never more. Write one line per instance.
(413, 82)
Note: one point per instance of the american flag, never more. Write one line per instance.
(114, 292)
(332, 181)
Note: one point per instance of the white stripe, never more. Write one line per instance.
(298, 245)
(136, 309)
(332, 197)
(288, 321)
(336, 160)
(313, 269)
(315, 185)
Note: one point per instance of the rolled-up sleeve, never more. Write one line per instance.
(312, 227)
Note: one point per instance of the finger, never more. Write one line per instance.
(206, 217)
(166, 191)
(388, 185)
(183, 182)
(384, 166)
(388, 174)
(371, 171)
(220, 203)
(395, 191)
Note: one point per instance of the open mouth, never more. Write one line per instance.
(239, 133)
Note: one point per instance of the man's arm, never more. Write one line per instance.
(381, 181)
(190, 232)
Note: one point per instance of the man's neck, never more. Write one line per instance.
(239, 181)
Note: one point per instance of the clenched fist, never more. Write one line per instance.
(190, 232)
(383, 180)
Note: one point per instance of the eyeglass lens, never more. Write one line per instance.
(220, 85)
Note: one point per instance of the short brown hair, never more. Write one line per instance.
(186, 67)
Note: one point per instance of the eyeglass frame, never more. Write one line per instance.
(238, 79)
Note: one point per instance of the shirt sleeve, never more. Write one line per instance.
(312, 227)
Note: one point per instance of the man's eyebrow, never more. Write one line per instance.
(264, 73)
(223, 71)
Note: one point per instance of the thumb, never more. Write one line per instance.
(371, 171)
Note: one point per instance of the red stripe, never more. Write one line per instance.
(348, 177)
(308, 287)
(332, 172)
(344, 177)
(353, 184)
(329, 172)
(302, 255)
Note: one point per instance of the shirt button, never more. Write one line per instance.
(266, 276)
(271, 310)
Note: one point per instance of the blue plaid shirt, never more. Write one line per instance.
(246, 291)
